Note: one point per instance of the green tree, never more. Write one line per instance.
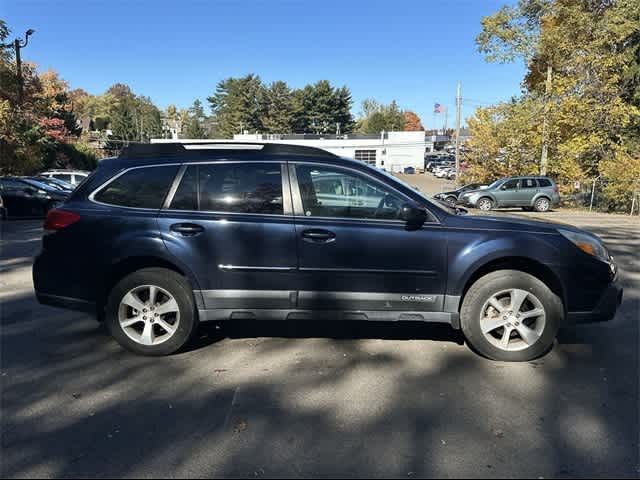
(377, 117)
(278, 108)
(195, 125)
(237, 105)
(320, 108)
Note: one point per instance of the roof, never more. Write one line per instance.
(201, 149)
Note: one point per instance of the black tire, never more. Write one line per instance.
(451, 200)
(173, 283)
(488, 201)
(487, 286)
(542, 204)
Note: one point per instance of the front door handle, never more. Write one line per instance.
(317, 235)
(187, 229)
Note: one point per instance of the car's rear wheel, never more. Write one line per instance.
(152, 312)
(542, 204)
(485, 204)
(509, 315)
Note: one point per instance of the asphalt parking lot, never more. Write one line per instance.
(322, 400)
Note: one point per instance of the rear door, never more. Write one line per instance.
(354, 253)
(526, 191)
(231, 223)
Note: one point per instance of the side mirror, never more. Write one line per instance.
(414, 215)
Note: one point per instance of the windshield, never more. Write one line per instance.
(495, 184)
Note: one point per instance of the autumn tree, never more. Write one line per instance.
(580, 89)
(412, 122)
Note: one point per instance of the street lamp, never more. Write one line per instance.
(17, 45)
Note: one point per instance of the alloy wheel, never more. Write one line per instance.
(513, 320)
(542, 205)
(149, 315)
(485, 204)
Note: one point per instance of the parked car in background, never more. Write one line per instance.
(24, 197)
(451, 197)
(338, 240)
(409, 171)
(54, 183)
(74, 177)
(438, 170)
(444, 172)
(440, 163)
(530, 193)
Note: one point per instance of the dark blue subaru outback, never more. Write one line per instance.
(167, 236)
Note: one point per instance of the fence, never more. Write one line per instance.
(590, 195)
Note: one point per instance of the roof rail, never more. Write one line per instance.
(138, 150)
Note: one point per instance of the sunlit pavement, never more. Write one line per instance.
(286, 399)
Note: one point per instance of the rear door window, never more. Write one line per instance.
(231, 187)
(144, 187)
(529, 183)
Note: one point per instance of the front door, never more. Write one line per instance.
(507, 195)
(232, 224)
(354, 252)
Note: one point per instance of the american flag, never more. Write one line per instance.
(437, 108)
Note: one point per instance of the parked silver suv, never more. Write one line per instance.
(530, 193)
(74, 177)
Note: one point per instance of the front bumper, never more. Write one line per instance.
(605, 309)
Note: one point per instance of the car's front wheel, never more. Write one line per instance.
(151, 312)
(509, 315)
(451, 201)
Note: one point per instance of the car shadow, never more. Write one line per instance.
(213, 332)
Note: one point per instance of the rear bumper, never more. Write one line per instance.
(605, 309)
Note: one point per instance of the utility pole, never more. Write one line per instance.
(544, 162)
(458, 113)
(18, 45)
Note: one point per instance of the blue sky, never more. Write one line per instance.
(176, 51)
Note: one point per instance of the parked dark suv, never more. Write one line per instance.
(167, 236)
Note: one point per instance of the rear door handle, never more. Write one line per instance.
(318, 236)
(187, 229)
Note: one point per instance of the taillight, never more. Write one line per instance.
(556, 189)
(59, 219)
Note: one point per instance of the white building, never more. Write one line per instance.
(391, 151)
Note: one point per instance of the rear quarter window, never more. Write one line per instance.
(144, 187)
(544, 182)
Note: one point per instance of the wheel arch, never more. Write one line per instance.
(524, 264)
(128, 265)
(489, 196)
(538, 196)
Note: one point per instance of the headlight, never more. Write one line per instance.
(588, 244)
